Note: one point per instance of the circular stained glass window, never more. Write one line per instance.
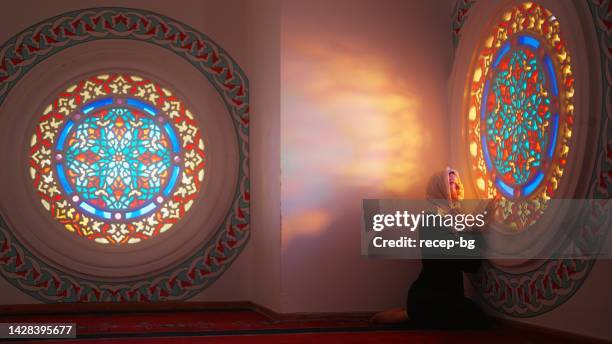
(117, 159)
(520, 113)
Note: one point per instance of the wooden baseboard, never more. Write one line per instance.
(139, 307)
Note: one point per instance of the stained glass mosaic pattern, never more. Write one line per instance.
(520, 113)
(519, 129)
(117, 159)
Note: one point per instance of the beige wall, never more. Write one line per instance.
(264, 75)
(363, 115)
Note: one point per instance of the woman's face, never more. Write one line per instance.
(456, 188)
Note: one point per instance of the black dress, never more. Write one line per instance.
(436, 299)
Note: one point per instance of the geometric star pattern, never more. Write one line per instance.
(518, 117)
(118, 159)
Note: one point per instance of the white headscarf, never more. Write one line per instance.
(438, 190)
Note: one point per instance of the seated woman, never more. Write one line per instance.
(436, 299)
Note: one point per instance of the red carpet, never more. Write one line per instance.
(158, 322)
(252, 327)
